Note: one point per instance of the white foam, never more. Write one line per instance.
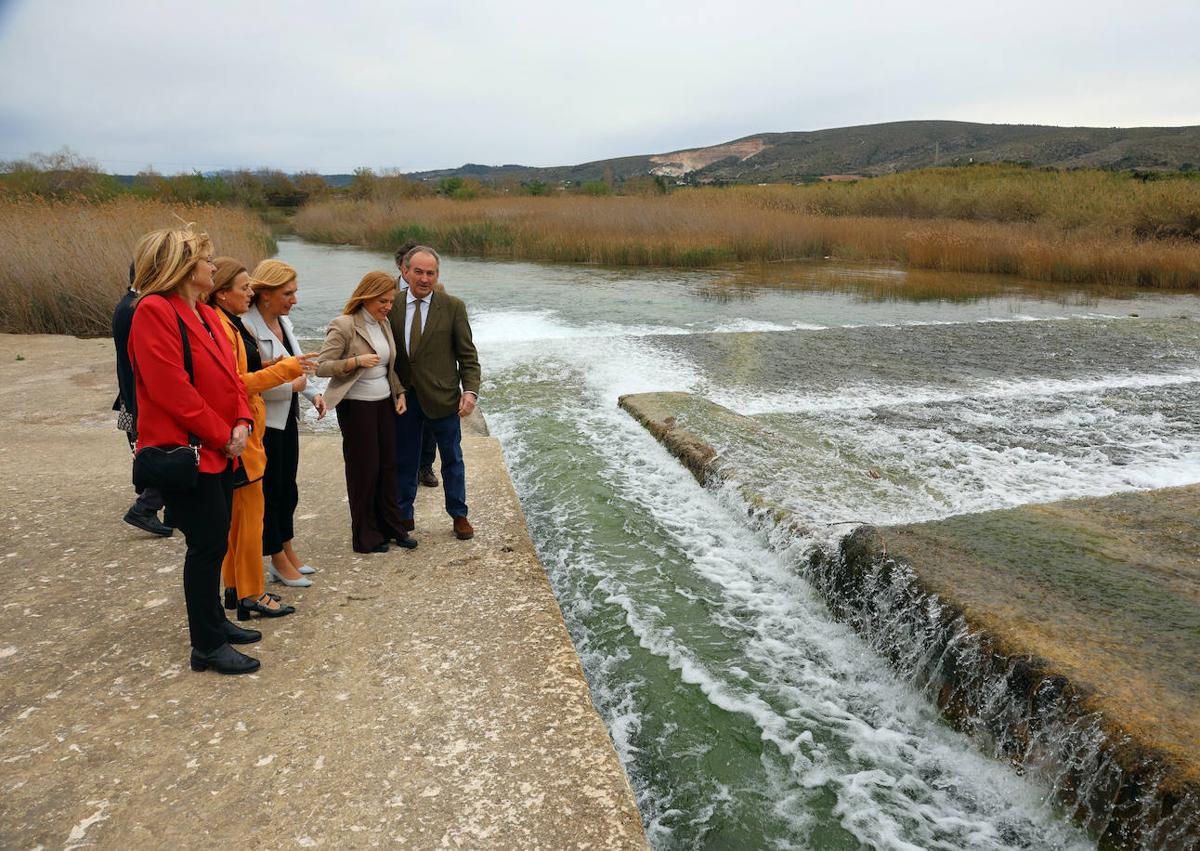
(1015, 443)
(796, 400)
(507, 327)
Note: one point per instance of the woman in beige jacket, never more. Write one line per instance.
(359, 356)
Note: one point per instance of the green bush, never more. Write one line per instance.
(409, 231)
(595, 188)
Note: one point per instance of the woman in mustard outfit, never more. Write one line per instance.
(242, 570)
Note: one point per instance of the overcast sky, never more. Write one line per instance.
(330, 86)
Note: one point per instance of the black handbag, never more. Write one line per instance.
(166, 467)
(170, 467)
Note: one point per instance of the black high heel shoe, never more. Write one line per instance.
(231, 599)
(256, 604)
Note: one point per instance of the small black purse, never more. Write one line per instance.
(170, 467)
(166, 467)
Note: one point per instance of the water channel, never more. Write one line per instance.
(745, 716)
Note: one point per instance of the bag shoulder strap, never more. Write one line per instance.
(187, 349)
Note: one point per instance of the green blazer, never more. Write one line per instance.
(445, 359)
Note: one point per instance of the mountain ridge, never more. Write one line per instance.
(872, 150)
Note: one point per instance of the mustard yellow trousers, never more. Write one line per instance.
(243, 565)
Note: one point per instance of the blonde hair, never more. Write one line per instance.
(271, 275)
(165, 258)
(227, 271)
(373, 285)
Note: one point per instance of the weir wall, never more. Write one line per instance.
(1063, 637)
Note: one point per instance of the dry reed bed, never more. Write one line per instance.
(1003, 193)
(709, 227)
(65, 264)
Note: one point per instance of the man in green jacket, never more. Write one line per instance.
(437, 363)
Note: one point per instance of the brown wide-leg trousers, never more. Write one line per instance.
(369, 451)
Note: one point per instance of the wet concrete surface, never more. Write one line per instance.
(426, 698)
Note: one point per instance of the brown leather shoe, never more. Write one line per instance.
(426, 477)
(462, 529)
(407, 525)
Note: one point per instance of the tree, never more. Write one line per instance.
(362, 187)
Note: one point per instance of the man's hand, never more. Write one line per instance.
(466, 404)
(319, 404)
(298, 384)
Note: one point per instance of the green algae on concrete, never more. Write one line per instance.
(1064, 635)
(1108, 588)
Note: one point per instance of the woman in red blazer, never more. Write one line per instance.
(173, 269)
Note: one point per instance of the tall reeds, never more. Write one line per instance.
(707, 227)
(65, 264)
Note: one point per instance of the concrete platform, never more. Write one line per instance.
(1065, 636)
(417, 699)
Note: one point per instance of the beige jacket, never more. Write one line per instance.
(347, 336)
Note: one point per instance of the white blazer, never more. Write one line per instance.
(278, 398)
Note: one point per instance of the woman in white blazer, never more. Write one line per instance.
(274, 285)
(360, 357)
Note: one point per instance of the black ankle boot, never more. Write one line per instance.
(224, 660)
(235, 634)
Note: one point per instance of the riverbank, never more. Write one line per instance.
(1073, 228)
(1061, 636)
(416, 698)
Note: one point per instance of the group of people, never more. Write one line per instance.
(206, 355)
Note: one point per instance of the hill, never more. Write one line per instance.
(876, 149)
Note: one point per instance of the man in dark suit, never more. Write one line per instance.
(428, 445)
(439, 366)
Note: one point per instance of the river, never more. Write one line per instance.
(745, 716)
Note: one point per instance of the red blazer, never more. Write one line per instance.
(169, 407)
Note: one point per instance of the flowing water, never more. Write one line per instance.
(745, 716)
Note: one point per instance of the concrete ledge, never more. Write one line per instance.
(416, 699)
(1063, 636)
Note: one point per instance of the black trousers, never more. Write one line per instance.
(369, 450)
(202, 514)
(280, 494)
